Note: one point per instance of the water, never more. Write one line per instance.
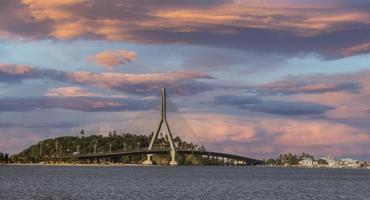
(52, 182)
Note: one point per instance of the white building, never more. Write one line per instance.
(349, 162)
(342, 163)
(332, 162)
(307, 162)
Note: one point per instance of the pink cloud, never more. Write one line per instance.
(347, 93)
(15, 70)
(17, 140)
(69, 92)
(178, 81)
(74, 91)
(217, 127)
(111, 79)
(347, 104)
(318, 133)
(265, 136)
(303, 24)
(142, 81)
(296, 85)
(111, 59)
(314, 17)
(356, 49)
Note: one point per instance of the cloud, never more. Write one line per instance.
(295, 86)
(16, 21)
(236, 100)
(267, 136)
(219, 128)
(59, 125)
(341, 97)
(111, 59)
(279, 27)
(345, 94)
(219, 59)
(179, 83)
(287, 108)
(348, 93)
(69, 92)
(74, 91)
(356, 49)
(88, 104)
(10, 73)
(17, 140)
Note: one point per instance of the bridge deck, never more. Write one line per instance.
(144, 152)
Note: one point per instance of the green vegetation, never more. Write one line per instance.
(53, 150)
(288, 159)
(4, 158)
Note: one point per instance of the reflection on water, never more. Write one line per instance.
(52, 182)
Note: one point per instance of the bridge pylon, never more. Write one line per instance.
(163, 123)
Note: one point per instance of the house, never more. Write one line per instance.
(332, 162)
(308, 162)
(350, 163)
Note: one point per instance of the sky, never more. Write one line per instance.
(252, 77)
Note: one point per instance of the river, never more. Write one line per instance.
(181, 182)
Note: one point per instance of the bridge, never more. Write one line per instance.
(212, 157)
(163, 131)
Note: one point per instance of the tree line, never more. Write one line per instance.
(291, 159)
(4, 158)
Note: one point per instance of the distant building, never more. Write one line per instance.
(342, 163)
(308, 162)
(350, 163)
(332, 162)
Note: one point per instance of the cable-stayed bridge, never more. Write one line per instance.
(161, 120)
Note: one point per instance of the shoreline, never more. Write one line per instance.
(142, 165)
(76, 165)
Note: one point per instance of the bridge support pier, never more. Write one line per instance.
(148, 160)
(173, 157)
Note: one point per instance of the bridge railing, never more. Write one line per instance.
(155, 148)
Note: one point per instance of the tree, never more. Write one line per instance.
(270, 162)
(13, 158)
(2, 158)
(287, 159)
(305, 155)
(6, 158)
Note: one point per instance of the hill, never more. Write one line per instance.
(50, 149)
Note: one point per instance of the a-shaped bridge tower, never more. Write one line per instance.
(162, 124)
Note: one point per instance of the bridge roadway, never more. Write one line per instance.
(119, 154)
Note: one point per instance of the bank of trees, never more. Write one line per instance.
(68, 145)
(4, 158)
(288, 158)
